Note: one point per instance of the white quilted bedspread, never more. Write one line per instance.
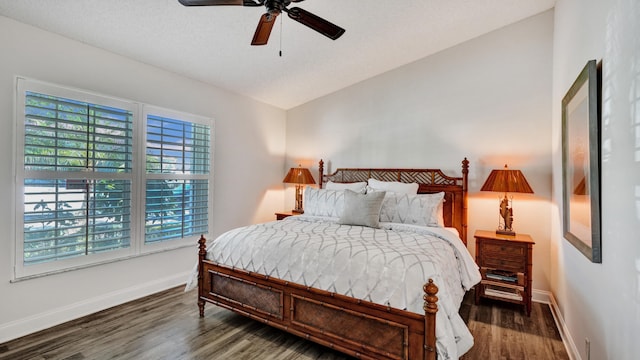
(385, 266)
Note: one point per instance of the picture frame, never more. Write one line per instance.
(581, 162)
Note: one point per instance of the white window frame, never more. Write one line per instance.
(159, 111)
(138, 178)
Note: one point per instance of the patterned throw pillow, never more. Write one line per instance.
(323, 202)
(420, 210)
(362, 209)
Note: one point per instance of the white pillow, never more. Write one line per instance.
(323, 202)
(362, 209)
(359, 187)
(392, 186)
(419, 210)
(440, 213)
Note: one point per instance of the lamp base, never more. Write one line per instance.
(506, 232)
(298, 209)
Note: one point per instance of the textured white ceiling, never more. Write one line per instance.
(212, 44)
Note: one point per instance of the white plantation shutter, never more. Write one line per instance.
(83, 163)
(177, 146)
(62, 222)
(66, 216)
(67, 135)
(177, 186)
(176, 209)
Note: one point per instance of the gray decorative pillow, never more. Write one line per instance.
(362, 209)
(423, 210)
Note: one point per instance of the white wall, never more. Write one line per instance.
(601, 302)
(247, 172)
(488, 99)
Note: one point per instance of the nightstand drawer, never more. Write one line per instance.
(504, 250)
(511, 264)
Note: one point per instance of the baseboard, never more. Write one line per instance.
(45, 320)
(547, 297)
(541, 296)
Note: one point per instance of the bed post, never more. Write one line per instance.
(320, 173)
(430, 310)
(202, 252)
(465, 187)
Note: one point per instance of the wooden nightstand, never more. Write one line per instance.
(506, 264)
(282, 215)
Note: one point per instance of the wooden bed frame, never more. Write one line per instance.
(358, 328)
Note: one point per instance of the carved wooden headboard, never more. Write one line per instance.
(429, 181)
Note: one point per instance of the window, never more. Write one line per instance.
(79, 178)
(177, 186)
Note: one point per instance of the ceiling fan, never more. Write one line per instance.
(274, 8)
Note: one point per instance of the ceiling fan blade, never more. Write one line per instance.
(221, 2)
(315, 22)
(261, 36)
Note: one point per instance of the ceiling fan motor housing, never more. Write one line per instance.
(275, 7)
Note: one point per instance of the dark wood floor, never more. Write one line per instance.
(168, 327)
(502, 331)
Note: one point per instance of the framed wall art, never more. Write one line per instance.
(581, 162)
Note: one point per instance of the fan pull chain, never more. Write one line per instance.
(280, 52)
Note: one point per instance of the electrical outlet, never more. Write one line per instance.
(587, 348)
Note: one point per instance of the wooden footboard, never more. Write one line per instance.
(358, 328)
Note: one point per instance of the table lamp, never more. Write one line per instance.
(299, 176)
(506, 181)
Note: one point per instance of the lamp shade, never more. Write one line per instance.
(507, 181)
(299, 175)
